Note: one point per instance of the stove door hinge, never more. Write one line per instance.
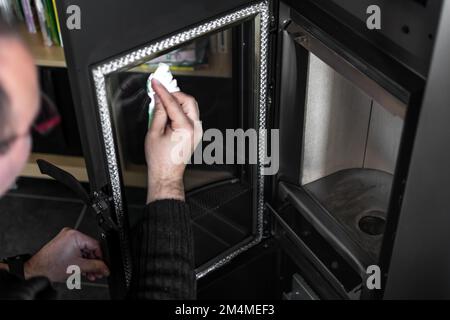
(270, 92)
(267, 225)
(273, 27)
(101, 204)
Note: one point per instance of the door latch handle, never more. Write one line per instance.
(99, 201)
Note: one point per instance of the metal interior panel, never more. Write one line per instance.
(344, 127)
(358, 199)
(354, 68)
(383, 140)
(336, 123)
(408, 27)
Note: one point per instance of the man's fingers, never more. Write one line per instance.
(171, 105)
(93, 266)
(90, 277)
(159, 122)
(94, 276)
(86, 243)
(189, 105)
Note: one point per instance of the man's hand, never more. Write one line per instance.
(172, 138)
(69, 247)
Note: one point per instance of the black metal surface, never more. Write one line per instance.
(358, 199)
(420, 263)
(290, 234)
(300, 290)
(407, 31)
(65, 179)
(64, 139)
(388, 73)
(292, 65)
(327, 226)
(368, 78)
(252, 275)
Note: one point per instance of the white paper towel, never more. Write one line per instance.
(165, 77)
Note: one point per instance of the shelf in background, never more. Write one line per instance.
(44, 56)
(74, 165)
(133, 175)
(219, 66)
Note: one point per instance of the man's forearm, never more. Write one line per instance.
(161, 190)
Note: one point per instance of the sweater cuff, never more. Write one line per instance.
(163, 253)
(167, 207)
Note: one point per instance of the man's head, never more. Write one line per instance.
(19, 105)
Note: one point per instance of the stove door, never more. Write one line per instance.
(218, 51)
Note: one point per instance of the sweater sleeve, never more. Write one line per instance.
(14, 288)
(163, 253)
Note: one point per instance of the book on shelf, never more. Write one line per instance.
(44, 26)
(39, 16)
(188, 58)
(54, 14)
(29, 16)
(51, 21)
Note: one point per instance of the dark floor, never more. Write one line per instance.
(32, 214)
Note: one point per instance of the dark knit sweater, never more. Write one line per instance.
(162, 254)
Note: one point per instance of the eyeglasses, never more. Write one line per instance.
(47, 119)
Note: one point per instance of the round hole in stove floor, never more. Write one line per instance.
(372, 224)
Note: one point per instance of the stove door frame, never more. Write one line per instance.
(93, 54)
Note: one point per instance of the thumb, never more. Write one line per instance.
(159, 121)
(94, 266)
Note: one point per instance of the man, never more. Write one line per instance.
(162, 249)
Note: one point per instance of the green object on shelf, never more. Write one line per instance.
(51, 21)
